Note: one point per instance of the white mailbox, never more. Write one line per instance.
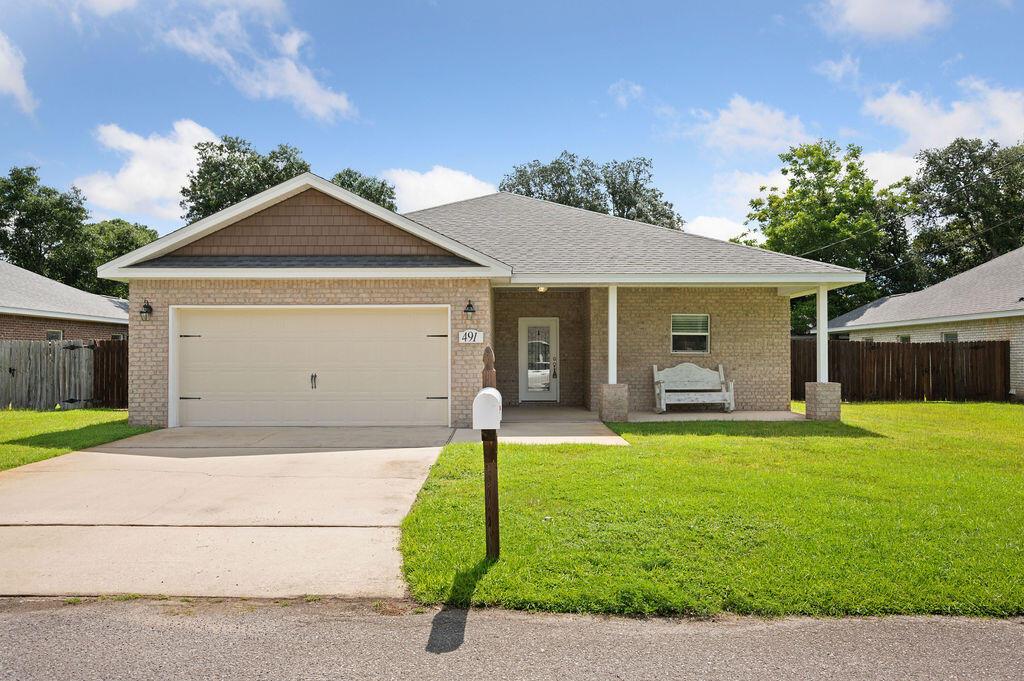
(487, 410)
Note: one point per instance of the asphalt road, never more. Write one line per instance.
(250, 639)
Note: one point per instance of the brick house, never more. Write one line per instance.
(981, 304)
(33, 307)
(308, 305)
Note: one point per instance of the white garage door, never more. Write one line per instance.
(305, 367)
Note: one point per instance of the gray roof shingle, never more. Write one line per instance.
(537, 236)
(24, 290)
(996, 286)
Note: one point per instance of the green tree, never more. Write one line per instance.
(829, 199)
(230, 170)
(40, 227)
(631, 191)
(374, 189)
(970, 195)
(106, 240)
(568, 180)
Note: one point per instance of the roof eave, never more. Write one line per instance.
(54, 314)
(999, 314)
(130, 273)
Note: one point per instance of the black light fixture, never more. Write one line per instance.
(470, 310)
(146, 311)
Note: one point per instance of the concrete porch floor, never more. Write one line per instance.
(555, 413)
(548, 424)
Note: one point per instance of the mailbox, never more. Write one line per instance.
(487, 410)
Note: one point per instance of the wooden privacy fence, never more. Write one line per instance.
(72, 374)
(908, 371)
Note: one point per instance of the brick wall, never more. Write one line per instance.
(1004, 328)
(147, 352)
(570, 307)
(749, 337)
(23, 327)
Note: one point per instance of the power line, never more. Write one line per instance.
(957, 243)
(909, 213)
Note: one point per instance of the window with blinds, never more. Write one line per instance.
(691, 333)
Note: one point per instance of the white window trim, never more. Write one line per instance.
(117, 336)
(59, 332)
(671, 334)
(950, 333)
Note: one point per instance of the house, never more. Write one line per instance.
(309, 305)
(33, 307)
(984, 303)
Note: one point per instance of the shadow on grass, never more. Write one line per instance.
(78, 438)
(745, 429)
(448, 629)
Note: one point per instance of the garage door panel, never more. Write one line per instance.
(253, 366)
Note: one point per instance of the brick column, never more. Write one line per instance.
(823, 401)
(614, 402)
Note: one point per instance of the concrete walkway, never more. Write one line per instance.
(548, 425)
(217, 512)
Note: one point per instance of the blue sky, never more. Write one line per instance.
(444, 97)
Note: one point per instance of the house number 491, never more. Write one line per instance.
(471, 336)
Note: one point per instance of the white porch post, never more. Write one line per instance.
(822, 335)
(613, 334)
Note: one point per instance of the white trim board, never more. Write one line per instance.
(128, 273)
(928, 320)
(123, 321)
(276, 194)
(172, 337)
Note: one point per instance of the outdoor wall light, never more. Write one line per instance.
(542, 289)
(470, 310)
(146, 311)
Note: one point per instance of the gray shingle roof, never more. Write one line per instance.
(306, 261)
(24, 290)
(996, 286)
(536, 236)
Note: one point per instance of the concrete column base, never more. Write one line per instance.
(614, 402)
(824, 401)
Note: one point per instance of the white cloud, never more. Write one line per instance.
(625, 91)
(12, 75)
(714, 227)
(751, 126)
(846, 70)
(105, 8)
(150, 180)
(887, 167)
(225, 43)
(439, 185)
(984, 111)
(883, 19)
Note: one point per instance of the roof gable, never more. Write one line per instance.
(360, 227)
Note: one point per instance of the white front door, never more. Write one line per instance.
(538, 359)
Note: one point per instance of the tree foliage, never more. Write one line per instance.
(374, 189)
(622, 188)
(43, 230)
(970, 195)
(830, 198)
(231, 170)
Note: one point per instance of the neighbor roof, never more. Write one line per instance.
(27, 293)
(537, 236)
(995, 289)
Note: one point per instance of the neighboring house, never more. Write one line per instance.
(308, 305)
(984, 303)
(33, 307)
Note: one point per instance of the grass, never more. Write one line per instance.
(901, 508)
(28, 436)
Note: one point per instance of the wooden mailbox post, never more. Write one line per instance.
(489, 438)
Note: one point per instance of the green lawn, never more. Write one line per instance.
(27, 436)
(902, 508)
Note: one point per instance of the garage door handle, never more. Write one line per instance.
(312, 381)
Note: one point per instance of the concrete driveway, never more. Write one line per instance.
(217, 512)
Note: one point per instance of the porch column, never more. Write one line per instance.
(614, 395)
(822, 339)
(824, 399)
(613, 335)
